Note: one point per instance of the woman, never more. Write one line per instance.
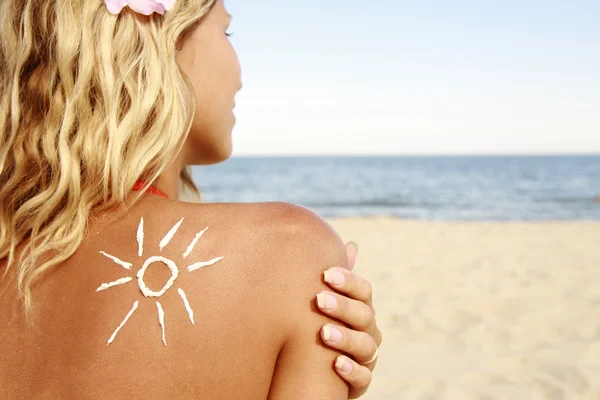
(133, 293)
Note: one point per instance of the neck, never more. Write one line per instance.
(169, 182)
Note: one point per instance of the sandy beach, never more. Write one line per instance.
(482, 310)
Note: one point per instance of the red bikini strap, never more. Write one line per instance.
(139, 185)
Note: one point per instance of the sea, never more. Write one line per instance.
(440, 188)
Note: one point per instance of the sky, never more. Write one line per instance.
(417, 77)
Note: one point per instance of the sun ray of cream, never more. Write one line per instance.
(120, 281)
(129, 314)
(193, 244)
(202, 264)
(140, 237)
(123, 264)
(186, 303)
(165, 241)
(161, 321)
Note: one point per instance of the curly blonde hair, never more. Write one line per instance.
(90, 102)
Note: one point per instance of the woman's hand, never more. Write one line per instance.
(351, 303)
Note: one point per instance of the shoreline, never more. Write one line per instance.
(474, 222)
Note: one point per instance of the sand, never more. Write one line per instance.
(482, 310)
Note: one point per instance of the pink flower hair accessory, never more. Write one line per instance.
(145, 7)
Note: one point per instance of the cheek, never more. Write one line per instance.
(215, 84)
(214, 107)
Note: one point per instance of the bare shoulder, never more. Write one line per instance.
(288, 221)
(265, 232)
(270, 245)
(273, 213)
(274, 240)
(281, 231)
(304, 238)
(274, 246)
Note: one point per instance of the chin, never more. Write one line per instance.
(215, 159)
(212, 154)
(209, 144)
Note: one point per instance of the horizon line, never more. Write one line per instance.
(301, 155)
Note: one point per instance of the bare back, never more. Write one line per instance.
(239, 319)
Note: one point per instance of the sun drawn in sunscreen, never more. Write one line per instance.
(146, 291)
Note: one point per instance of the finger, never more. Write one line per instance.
(349, 283)
(353, 312)
(357, 376)
(360, 345)
(351, 251)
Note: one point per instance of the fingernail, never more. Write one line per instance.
(343, 365)
(331, 334)
(334, 277)
(353, 244)
(326, 302)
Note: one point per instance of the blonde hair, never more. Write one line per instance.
(89, 103)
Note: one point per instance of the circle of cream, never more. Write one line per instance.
(140, 275)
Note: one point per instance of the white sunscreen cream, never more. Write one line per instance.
(202, 264)
(140, 237)
(186, 304)
(161, 321)
(146, 291)
(165, 241)
(117, 261)
(140, 275)
(120, 281)
(112, 337)
(193, 244)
